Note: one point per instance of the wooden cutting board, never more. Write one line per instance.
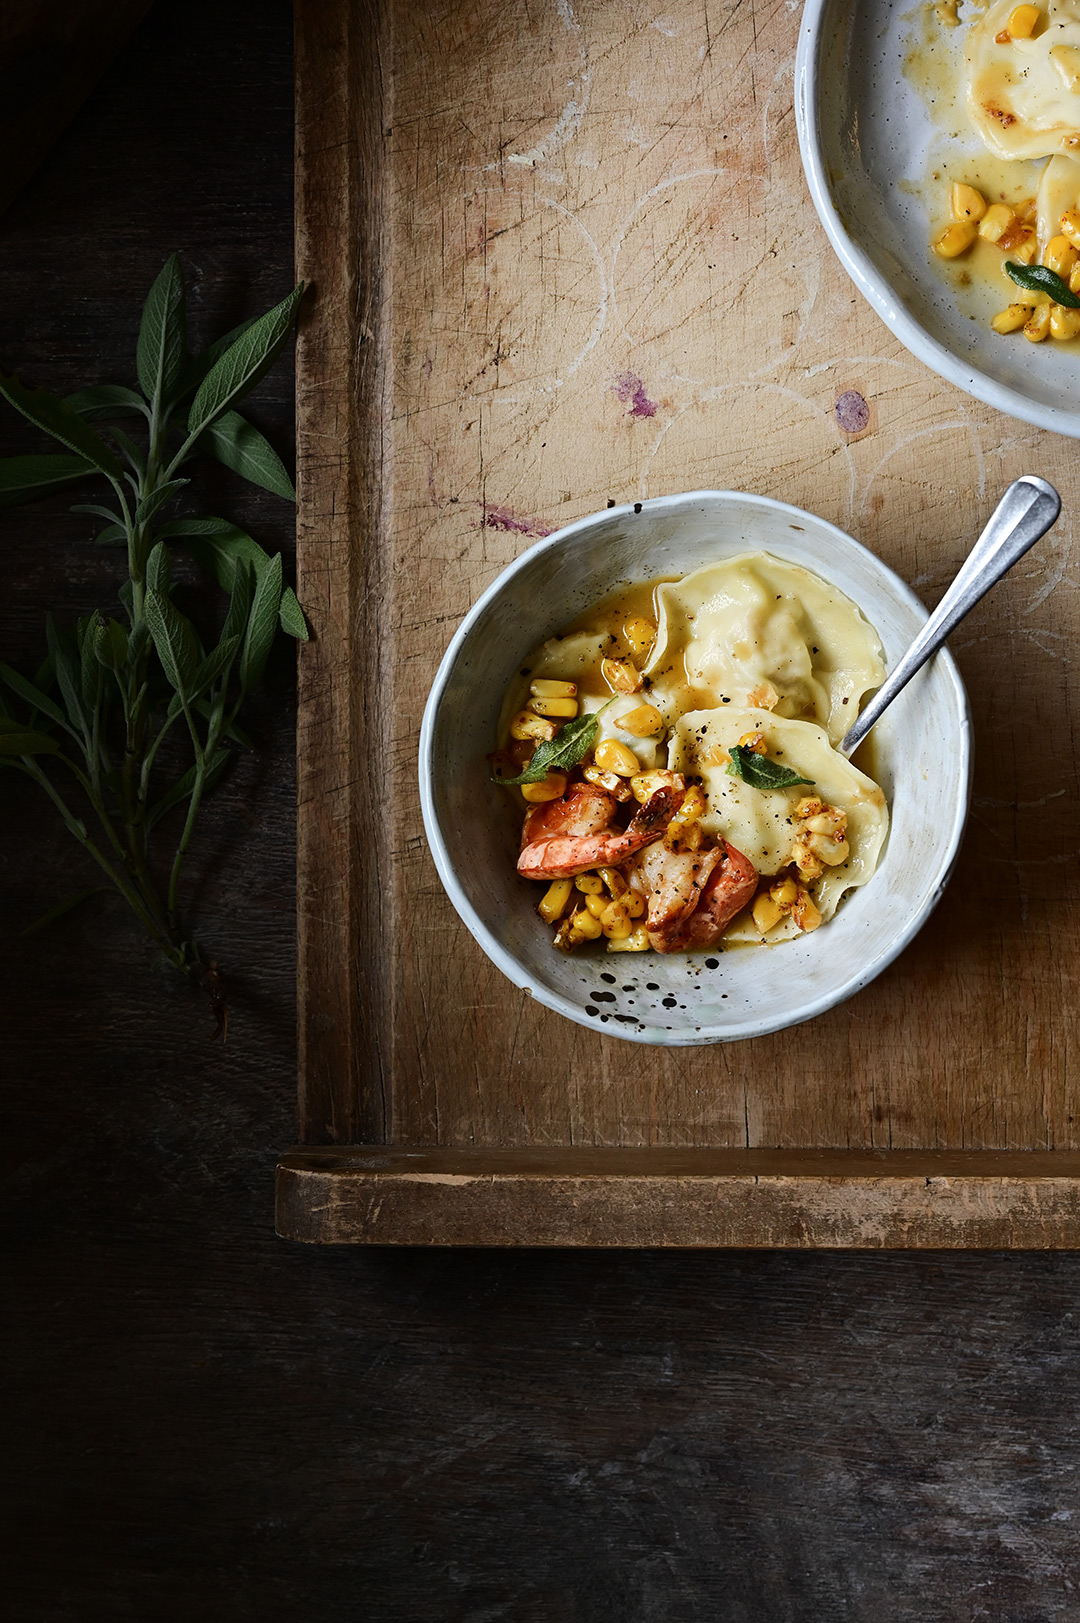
(562, 254)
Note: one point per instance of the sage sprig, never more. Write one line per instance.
(89, 727)
(571, 744)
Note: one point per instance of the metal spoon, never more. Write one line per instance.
(1022, 516)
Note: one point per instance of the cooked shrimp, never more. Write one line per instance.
(692, 895)
(584, 809)
(564, 855)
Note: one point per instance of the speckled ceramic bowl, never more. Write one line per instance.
(923, 762)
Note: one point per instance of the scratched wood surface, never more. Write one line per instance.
(593, 271)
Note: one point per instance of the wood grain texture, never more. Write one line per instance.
(52, 53)
(601, 278)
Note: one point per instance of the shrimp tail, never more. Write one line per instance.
(727, 890)
(564, 856)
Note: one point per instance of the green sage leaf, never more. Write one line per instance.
(243, 363)
(25, 478)
(759, 772)
(217, 660)
(90, 672)
(63, 655)
(156, 499)
(240, 602)
(97, 511)
(66, 906)
(197, 368)
(240, 446)
(291, 616)
(56, 417)
(159, 354)
(174, 638)
(106, 400)
(113, 535)
(1041, 279)
(19, 740)
(32, 694)
(262, 624)
(571, 744)
(110, 644)
(159, 568)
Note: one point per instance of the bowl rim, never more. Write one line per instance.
(489, 942)
(868, 278)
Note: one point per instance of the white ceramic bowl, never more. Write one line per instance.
(922, 754)
(864, 135)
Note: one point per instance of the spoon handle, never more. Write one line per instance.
(1024, 514)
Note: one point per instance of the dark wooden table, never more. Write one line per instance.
(202, 1420)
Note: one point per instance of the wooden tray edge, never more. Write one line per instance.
(707, 1199)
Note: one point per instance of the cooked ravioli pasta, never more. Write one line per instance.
(751, 651)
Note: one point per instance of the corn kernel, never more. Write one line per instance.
(576, 928)
(642, 722)
(956, 239)
(647, 783)
(527, 724)
(636, 941)
(784, 893)
(808, 862)
(640, 636)
(1060, 256)
(612, 756)
(753, 741)
(1023, 21)
(1012, 318)
(805, 911)
(821, 823)
(621, 675)
(766, 913)
(809, 806)
(553, 787)
(588, 927)
(1038, 327)
(614, 881)
(606, 780)
(967, 203)
(1074, 279)
(1064, 323)
(830, 851)
(597, 905)
(555, 899)
(590, 884)
(997, 220)
(563, 708)
(615, 923)
(546, 687)
(633, 904)
(1069, 226)
(1024, 252)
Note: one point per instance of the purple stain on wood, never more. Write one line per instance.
(852, 412)
(500, 518)
(631, 391)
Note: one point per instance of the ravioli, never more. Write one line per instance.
(1023, 95)
(738, 628)
(762, 823)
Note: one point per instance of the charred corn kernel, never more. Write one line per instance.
(1074, 279)
(717, 757)
(830, 851)
(606, 780)
(1013, 318)
(997, 220)
(640, 636)
(621, 675)
(1064, 323)
(1024, 252)
(597, 905)
(1023, 21)
(967, 203)
(553, 787)
(527, 724)
(784, 892)
(1069, 226)
(563, 708)
(636, 941)
(808, 862)
(546, 687)
(805, 911)
(555, 899)
(590, 884)
(1038, 327)
(1027, 212)
(766, 913)
(1060, 256)
(956, 239)
(588, 927)
(809, 806)
(821, 823)
(576, 928)
(646, 784)
(684, 823)
(753, 741)
(633, 904)
(614, 881)
(615, 757)
(763, 697)
(615, 922)
(642, 722)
